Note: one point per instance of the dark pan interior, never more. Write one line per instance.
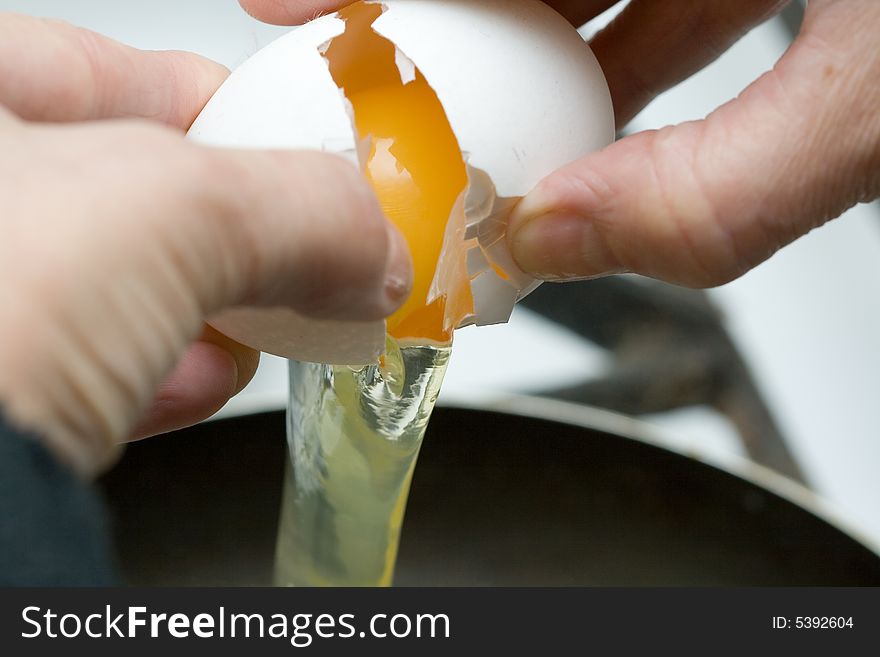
(496, 500)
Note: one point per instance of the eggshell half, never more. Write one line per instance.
(533, 99)
(523, 93)
(284, 97)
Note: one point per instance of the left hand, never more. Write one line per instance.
(52, 72)
(118, 238)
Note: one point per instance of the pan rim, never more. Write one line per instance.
(630, 428)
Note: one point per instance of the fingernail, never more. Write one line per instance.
(560, 246)
(399, 272)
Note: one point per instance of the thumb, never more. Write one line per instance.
(700, 203)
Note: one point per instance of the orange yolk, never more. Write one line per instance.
(415, 167)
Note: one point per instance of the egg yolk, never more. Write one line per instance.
(414, 165)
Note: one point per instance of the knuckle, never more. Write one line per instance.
(197, 214)
(216, 188)
(687, 238)
(90, 52)
(592, 188)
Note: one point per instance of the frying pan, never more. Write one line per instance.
(500, 497)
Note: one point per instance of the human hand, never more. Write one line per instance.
(118, 238)
(700, 203)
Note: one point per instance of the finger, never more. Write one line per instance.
(290, 12)
(578, 12)
(51, 71)
(296, 229)
(700, 203)
(651, 46)
(213, 370)
(199, 386)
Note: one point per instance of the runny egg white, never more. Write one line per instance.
(454, 110)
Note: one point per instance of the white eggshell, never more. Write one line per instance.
(282, 97)
(523, 93)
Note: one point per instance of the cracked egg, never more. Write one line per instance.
(453, 110)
